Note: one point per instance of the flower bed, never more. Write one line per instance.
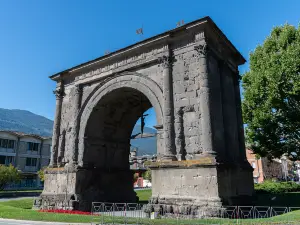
(65, 211)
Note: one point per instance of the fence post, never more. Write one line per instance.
(125, 213)
(102, 205)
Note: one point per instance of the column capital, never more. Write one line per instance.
(166, 61)
(179, 112)
(78, 89)
(201, 49)
(59, 93)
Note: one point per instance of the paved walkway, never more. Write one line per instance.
(25, 222)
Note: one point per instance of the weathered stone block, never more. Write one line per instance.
(89, 185)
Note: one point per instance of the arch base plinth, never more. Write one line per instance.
(76, 190)
(199, 186)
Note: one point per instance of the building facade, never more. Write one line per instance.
(264, 169)
(139, 164)
(28, 152)
(256, 163)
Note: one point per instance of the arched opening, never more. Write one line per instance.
(143, 140)
(107, 137)
(143, 148)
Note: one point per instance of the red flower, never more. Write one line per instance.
(65, 211)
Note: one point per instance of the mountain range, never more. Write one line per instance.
(25, 121)
(28, 122)
(145, 146)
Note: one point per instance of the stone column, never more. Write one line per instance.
(169, 147)
(56, 127)
(180, 139)
(205, 100)
(76, 124)
(61, 152)
(159, 140)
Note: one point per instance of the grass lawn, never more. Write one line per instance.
(144, 195)
(283, 200)
(21, 209)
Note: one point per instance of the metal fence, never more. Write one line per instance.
(131, 213)
(23, 185)
(134, 213)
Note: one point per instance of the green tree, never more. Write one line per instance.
(135, 177)
(271, 104)
(8, 174)
(147, 175)
(41, 174)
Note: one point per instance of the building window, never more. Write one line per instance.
(253, 165)
(5, 143)
(31, 162)
(6, 160)
(9, 160)
(2, 159)
(33, 146)
(11, 144)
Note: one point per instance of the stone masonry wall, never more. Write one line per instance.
(229, 115)
(186, 100)
(186, 75)
(196, 183)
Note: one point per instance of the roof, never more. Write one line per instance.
(206, 19)
(21, 134)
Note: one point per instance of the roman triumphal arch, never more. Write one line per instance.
(190, 76)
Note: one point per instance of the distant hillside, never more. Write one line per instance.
(25, 121)
(28, 122)
(146, 146)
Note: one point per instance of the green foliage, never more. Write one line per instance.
(271, 105)
(8, 174)
(147, 175)
(41, 174)
(135, 177)
(276, 187)
(147, 163)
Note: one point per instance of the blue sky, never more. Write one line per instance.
(40, 38)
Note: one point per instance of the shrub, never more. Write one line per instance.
(276, 187)
(8, 174)
(147, 175)
(135, 177)
(41, 174)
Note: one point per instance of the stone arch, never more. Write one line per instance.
(136, 81)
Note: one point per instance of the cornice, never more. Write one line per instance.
(153, 41)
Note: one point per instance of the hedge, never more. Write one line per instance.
(276, 187)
